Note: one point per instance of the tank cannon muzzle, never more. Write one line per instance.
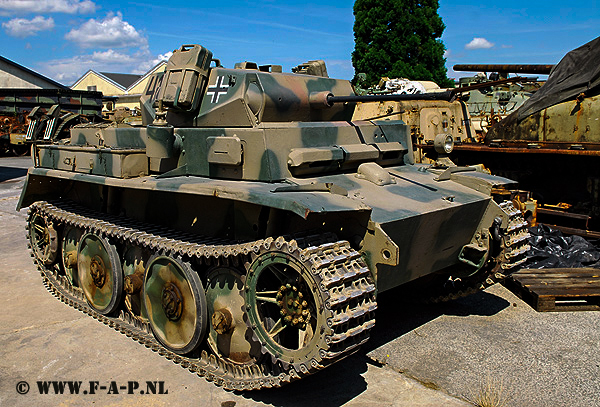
(446, 95)
(500, 68)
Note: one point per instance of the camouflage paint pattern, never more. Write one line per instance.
(99, 273)
(263, 155)
(173, 299)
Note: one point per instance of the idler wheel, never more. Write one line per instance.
(99, 273)
(43, 239)
(175, 304)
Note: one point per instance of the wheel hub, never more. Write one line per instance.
(98, 271)
(172, 301)
(293, 307)
(222, 321)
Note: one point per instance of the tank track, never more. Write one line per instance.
(513, 253)
(344, 281)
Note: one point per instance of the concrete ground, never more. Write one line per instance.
(417, 355)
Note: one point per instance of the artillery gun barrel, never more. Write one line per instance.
(446, 95)
(528, 69)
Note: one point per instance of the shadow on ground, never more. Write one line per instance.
(332, 386)
(342, 381)
(9, 173)
(396, 318)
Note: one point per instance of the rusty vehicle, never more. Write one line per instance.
(551, 144)
(245, 227)
(18, 106)
(491, 97)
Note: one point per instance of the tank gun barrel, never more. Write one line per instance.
(447, 96)
(527, 69)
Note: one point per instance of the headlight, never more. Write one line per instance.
(443, 143)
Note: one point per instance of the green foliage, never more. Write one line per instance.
(399, 39)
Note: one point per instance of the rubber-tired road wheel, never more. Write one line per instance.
(99, 273)
(175, 304)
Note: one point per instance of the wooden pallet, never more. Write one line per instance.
(559, 289)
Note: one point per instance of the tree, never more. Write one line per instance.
(399, 39)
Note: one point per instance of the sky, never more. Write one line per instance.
(63, 39)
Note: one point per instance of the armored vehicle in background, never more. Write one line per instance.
(244, 229)
(490, 98)
(551, 144)
(425, 118)
(19, 106)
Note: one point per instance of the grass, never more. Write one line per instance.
(491, 394)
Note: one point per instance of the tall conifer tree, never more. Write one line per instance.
(399, 39)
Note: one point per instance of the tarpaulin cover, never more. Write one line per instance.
(577, 72)
(551, 249)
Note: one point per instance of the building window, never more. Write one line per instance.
(92, 88)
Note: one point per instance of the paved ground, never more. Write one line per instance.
(417, 356)
(493, 338)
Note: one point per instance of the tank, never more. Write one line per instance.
(425, 119)
(246, 226)
(491, 97)
(19, 106)
(551, 144)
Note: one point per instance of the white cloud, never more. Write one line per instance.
(21, 28)
(479, 43)
(67, 71)
(447, 53)
(112, 57)
(112, 32)
(48, 6)
(145, 66)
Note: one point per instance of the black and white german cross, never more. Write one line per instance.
(218, 89)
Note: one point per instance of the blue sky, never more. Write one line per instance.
(63, 39)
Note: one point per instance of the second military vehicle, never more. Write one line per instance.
(551, 144)
(19, 105)
(245, 229)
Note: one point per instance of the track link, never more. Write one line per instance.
(345, 284)
(513, 253)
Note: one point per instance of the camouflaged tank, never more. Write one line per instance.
(245, 228)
